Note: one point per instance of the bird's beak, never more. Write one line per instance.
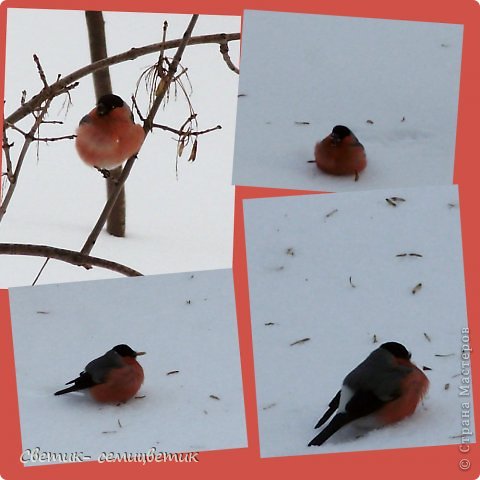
(140, 353)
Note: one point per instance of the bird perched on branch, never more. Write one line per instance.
(340, 153)
(112, 378)
(386, 387)
(108, 135)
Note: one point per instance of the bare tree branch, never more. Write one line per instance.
(59, 86)
(68, 256)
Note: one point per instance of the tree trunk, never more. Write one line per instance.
(103, 85)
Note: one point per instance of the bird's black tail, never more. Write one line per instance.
(73, 388)
(338, 421)
(84, 380)
(332, 406)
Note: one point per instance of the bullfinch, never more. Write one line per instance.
(112, 378)
(340, 153)
(386, 387)
(108, 135)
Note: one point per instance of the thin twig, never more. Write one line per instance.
(131, 54)
(68, 256)
(164, 39)
(6, 148)
(167, 79)
(39, 139)
(54, 139)
(21, 157)
(35, 280)
(181, 74)
(43, 78)
(190, 119)
(181, 132)
(137, 109)
(147, 127)
(158, 69)
(226, 57)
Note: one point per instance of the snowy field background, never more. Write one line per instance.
(184, 322)
(394, 83)
(325, 267)
(172, 225)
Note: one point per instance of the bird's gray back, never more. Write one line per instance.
(378, 373)
(99, 367)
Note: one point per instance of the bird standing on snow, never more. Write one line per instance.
(112, 378)
(386, 385)
(108, 135)
(340, 153)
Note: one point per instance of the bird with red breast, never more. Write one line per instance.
(340, 153)
(108, 135)
(115, 377)
(385, 388)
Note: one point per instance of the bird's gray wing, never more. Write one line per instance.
(99, 367)
(378, 374)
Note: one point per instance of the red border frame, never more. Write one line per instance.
(428, 462)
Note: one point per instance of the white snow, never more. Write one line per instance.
(325, 267)
(184, 321)
(172, 225)
(401, 75)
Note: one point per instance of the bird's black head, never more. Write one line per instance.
(107, 103)
(125, 351)
(340, 132)
(397, 350)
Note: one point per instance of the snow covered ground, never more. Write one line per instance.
(172, 225)
(185, 322)
(394, 83)
(326, 269)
